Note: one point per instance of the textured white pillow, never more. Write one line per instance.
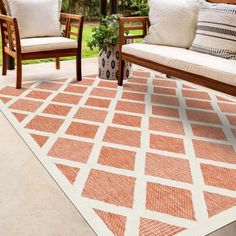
(36, 18)
(216, 33)
(173, 22)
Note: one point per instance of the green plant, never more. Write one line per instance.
(139, 8)
(106, 35)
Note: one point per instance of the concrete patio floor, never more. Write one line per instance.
(31, 203)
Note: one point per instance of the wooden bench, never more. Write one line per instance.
(142, 24)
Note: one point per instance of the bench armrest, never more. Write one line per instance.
(127, 24)
(10, 34)
(75, 21)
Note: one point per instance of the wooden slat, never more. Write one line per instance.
(9, 52)
(71, 16)
(134, 36)
(6, 18)
(50, 54)
(133, 28)
(133, 19)
(73, 33)
(6, 41)
(73, 25)
(4, 28)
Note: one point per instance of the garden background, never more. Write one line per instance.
(90, 9)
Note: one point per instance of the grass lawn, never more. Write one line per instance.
(86, 52)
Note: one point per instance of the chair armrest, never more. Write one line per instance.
(126, 24)
(73, 21)
(10, 34)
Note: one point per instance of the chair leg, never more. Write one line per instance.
(4, 63)
(18, 72)
(121, 72)
(78, 67)
(58, 66)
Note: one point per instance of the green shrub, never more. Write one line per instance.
(106, 35)
(139, 8)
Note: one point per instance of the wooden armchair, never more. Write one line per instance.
(51, 47)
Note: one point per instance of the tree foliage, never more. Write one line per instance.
(88, 8)
(91, 8)
(139, 8)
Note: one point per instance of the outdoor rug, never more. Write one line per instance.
(156, 157)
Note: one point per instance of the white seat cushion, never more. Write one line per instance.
(46, 44)
(183, 59)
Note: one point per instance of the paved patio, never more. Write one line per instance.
(21, 176)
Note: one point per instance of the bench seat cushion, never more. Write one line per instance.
(46, 44)
(217, 68)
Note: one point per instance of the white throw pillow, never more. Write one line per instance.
(7, 7)
(36, 18)
(216, 33)
(173, 22)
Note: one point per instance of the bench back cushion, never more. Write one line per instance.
(173, 22)
(216, 30)
(36, 18)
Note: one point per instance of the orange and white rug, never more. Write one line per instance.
(156, 157)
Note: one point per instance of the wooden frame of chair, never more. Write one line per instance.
(142, 24)
(11, 44)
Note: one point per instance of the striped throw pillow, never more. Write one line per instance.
(216, 30)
